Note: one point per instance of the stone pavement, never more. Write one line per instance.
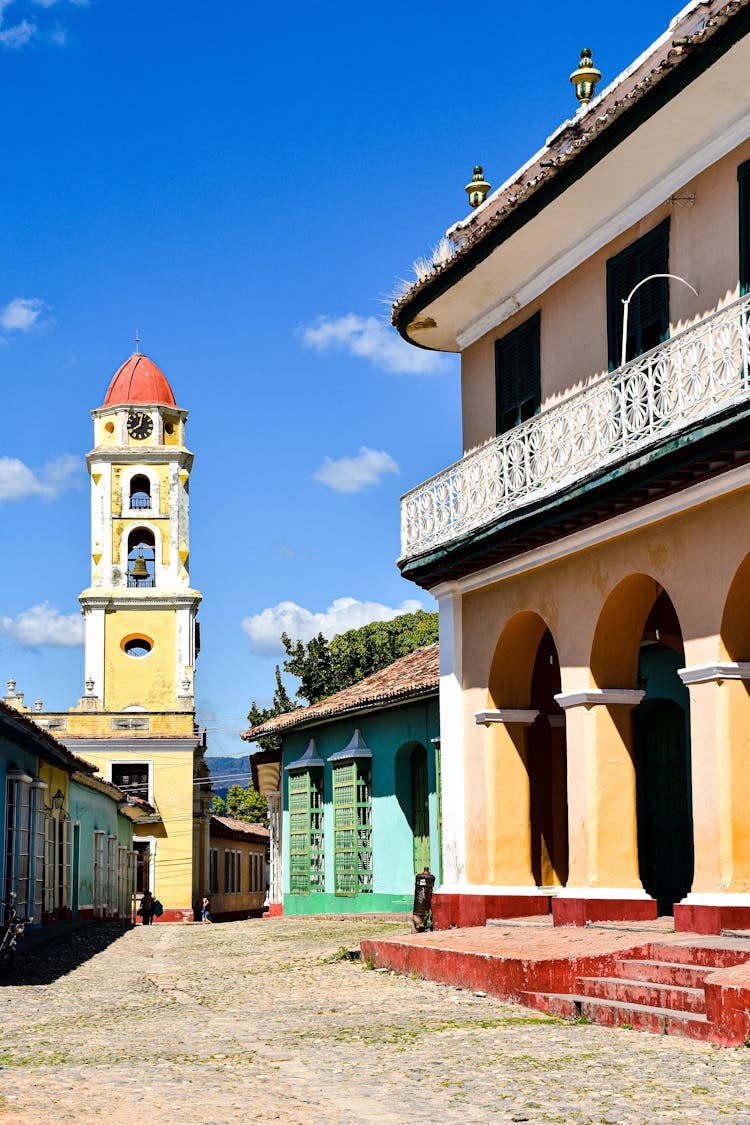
(260, 1022)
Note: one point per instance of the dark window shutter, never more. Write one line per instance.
(743, 175)
(517, 375)
(648, 313)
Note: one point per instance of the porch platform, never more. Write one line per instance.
(640, 975)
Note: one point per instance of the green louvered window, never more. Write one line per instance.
(352, 828)
(648, 310)
(517, 375)
(743, 176)
(306, 838)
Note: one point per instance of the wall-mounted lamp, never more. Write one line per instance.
(626, 304)
(58, 800)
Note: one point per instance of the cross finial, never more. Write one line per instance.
(137, 343)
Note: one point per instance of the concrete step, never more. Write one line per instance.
(615, 1013)
(713, 953)
(646, 993)
(663, 972)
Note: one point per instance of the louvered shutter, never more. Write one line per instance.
(743, 175)
(517, 375)
(648, 313)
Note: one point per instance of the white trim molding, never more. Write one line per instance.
(604, 893)
(506, 715)
(452, 764)
(600, 697)
(714, 673)
(699, 898)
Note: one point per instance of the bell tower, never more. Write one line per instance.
(141, 635)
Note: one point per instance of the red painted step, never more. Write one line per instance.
(663, 972)
(616, 1013)
(645, 993)
(714, 953)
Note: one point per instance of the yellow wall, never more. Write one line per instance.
(595, 603)
(146, 681)
(173, 797)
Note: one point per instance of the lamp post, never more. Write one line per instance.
(626, 303)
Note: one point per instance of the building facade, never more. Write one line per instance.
(136, 719)
(238, 866)
(590, 552)
(358, 793)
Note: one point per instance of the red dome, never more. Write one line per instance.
(139, 380)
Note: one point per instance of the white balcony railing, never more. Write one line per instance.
(695, 374)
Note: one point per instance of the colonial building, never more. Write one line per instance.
(357, 801)
(590, 551)
(238, 864)
(136, 720)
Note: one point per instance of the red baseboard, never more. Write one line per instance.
(275, 910)
(696, 919)
(579, 911)
(474, 910)
(176, 914)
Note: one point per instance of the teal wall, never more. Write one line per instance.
(96, 812)
(390, 734)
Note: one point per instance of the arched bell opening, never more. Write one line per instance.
(140, 492)
(141, 558)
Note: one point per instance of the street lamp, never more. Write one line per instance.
(626, 303)
(58, 800)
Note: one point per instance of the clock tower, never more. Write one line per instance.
(141, 635)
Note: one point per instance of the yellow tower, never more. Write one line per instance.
(136, 720)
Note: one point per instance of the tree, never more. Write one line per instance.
(324, 668)
(281, 704)
(242, 804)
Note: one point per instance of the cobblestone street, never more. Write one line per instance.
(263, 1021)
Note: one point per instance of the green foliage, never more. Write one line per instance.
(281, 704)
(242, 804)
(326, 667)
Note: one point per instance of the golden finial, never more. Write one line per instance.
(585, 78)
(478, 189)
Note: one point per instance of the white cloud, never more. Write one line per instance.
(352, 474)
(44, 625)
(366, 337)
(51, 3)
(21, 313)
(265, 628)
(18, 481)
(18, 35)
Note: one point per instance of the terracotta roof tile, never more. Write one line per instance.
(234, 825)
(416, 674)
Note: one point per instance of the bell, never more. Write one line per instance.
(140, 570)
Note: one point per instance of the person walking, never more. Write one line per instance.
(206, 911)
(147, 908)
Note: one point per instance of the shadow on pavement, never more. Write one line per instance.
(45, 957)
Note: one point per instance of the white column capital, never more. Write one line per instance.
(599, 697)
(523, 717)
(714, 673)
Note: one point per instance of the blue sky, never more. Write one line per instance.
(245, 184)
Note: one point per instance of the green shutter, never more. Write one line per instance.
(743, 175)
(306, 837)
(517, 375)
(420, 809)
(352, 829)
(648, 311)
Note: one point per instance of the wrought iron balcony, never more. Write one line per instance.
(696, 374)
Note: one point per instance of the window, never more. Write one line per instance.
(100, 874)
(743, 175)
(232, 872)
(306, 841)
(22, 858)
(213, 877)
(517, 376)
(132, 778)
(648, 310)
(352, 827)
(140, 492)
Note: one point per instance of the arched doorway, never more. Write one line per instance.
(528, 756)
(661, 739)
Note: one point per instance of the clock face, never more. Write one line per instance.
(140, 425)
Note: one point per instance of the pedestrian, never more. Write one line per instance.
(206, 911)
(147, 908)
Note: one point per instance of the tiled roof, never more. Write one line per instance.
(575, 137)
(45, 744)
(139, 380)
(256, 831)
(416, 674)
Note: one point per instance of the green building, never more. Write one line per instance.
(357, 810)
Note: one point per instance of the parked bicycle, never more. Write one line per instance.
(11, 930)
